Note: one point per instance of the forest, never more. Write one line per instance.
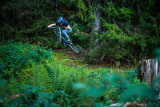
(113, 37)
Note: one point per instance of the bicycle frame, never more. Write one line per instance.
(60, 38)
(59, 33)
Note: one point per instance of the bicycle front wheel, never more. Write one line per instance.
(73, 47)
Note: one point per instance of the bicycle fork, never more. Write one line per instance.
(58, 34)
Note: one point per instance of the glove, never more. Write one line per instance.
(47, 27)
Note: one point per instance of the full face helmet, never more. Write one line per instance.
(59, 20)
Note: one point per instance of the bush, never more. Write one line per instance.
(35, 96)
(17, 56)
(111, 44)
(79, 37)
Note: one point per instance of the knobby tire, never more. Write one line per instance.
(73, 47)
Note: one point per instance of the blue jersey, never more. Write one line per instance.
(64, 23)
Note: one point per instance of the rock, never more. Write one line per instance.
(128, 104)
(134, 104)
(115, 105)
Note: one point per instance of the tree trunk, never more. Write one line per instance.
(96, 26)
(97, 21)
(149, 70)
(94, 45)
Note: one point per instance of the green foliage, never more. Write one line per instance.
(84, 12)
(95, 77)
(34, 96)
(132, 76)
(129, 32)
(157, 53)
(82, 9)
(3, 92)
(53, 77)
(2, 66)
(156, 84)
(57, 84)
(112, 44)
(126, 12)
(67, 3)
(3, 86)
(130, 28)
(79, 37)
(138, 93)
(16, 56)
(117, 13)
(115, 32)
(105, 86)
(24, 20)
(61, 98)
(111, 10)
(116, 88)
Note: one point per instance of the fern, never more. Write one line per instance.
(51, 76)
(40, 77)
(55, 76)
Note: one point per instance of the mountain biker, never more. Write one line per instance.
(64, 24)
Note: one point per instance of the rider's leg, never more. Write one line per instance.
(65, 33)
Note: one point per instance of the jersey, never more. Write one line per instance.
(64, 23)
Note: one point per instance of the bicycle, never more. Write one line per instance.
(60, 38)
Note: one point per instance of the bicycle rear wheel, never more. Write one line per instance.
(70, 44)
(73, 47)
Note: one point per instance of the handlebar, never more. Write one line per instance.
(52, 27)
(55, 31)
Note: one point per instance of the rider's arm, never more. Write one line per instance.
(68, 27)
(51, 25)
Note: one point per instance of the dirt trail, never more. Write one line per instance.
(79, 57)
(72, 55)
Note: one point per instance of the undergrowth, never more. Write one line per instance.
(15, 56)
(66, 83)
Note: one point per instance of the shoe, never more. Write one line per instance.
(69, 41)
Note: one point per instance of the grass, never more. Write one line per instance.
(65, 72)
(67, 60)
